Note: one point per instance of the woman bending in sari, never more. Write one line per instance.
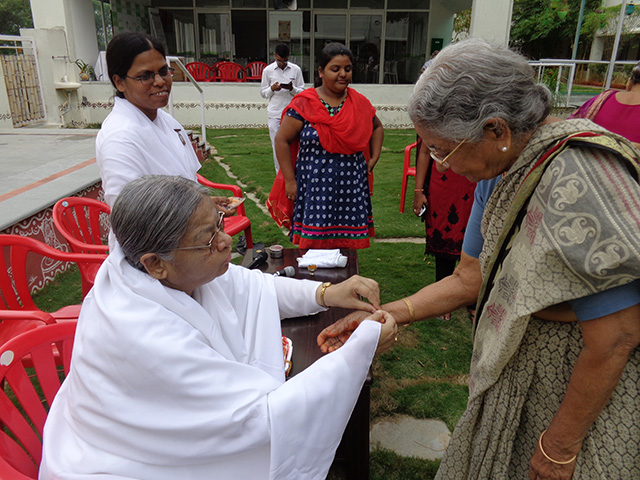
(554, 387)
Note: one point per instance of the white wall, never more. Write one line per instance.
(54, 66)
(83, 26)
(491, 20)
(239, 105)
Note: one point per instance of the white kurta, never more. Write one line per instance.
(166, 386)
(130, 145)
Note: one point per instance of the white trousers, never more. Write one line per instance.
(274, 126)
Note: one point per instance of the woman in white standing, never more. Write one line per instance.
(139, 138)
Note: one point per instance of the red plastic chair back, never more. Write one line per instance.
(230, 72)
(254, 71)
(407, 171)
(16, 251)
(200, 71)
(28, 393)
(83, 222)
(238, 222)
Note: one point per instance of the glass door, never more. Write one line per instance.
(328, 28)
(214, 31)
(292, 28)
(365, 35)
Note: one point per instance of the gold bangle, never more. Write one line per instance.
(566, 462)
(323, 288)
(412, 312)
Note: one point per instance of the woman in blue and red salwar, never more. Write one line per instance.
(329, 140)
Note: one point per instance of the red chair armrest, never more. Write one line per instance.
(236, 190)
(21, 315)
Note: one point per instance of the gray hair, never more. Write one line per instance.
(472, 81)
(151, 214)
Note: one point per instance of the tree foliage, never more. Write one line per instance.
(546, 28)
(14, 15)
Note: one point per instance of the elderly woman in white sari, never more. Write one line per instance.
(177, 369)
(554, 388)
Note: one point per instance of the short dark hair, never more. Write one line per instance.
(333, 50)
(282, 50)
(124, 48)
(328, 52)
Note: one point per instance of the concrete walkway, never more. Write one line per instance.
(40, 166)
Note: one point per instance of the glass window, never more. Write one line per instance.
(292, 28)
(172, 3)
(179, 32)
(329, 28)
(405, 46)
(408, 4)
(215, 37)
(379, 4)
(284, 4)
(364, 41)
(249, 35)
(329, 4)
(248, 3)
(212, 3)
(104, 29)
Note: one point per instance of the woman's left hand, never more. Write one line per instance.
(347, 294)
(542, 469)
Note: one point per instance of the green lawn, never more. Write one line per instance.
(425, 375)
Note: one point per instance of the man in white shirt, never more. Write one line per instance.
(280, 82)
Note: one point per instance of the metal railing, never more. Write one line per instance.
(571, 65)
(203, 124)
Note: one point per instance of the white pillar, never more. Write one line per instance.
(491, 20)
(75, 17)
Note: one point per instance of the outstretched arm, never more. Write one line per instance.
(459, 289)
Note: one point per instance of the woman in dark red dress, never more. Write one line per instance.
(447, 198)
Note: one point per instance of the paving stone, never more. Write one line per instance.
(411, 437)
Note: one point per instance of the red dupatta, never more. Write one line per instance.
(344, 133)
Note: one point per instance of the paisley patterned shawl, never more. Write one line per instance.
(563, 223)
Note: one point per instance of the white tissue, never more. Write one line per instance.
(323, 259)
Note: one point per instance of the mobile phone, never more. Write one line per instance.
(422, 210)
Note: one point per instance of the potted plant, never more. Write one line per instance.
(86, 70)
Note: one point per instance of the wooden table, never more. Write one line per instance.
(353, 452)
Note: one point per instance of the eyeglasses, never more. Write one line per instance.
(443, 161)
(148, 78)
(219, 228)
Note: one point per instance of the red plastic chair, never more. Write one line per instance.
(239, 221)
(28, 393)
(15, 322)
(15, 292)
(230, 72)
(254, 71)
(407, 171)
(200, 71)
(78, 220)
